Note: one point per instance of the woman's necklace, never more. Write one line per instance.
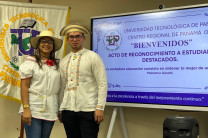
(45, 56)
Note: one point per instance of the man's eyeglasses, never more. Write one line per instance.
(77, 37)
(44, 42)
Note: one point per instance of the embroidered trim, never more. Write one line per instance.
(77, 76)
(45, 119)
(43, 61)
(30, 59)
(26, 77)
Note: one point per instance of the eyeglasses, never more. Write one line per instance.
(77, 37)
(44, 42)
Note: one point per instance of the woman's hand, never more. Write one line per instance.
(26, 117)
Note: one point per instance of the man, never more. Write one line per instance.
(83, 86)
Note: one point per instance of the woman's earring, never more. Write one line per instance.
(37, 52)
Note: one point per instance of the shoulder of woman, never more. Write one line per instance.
(30, 58)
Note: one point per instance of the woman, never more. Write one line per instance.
(40, 85)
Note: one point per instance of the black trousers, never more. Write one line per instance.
(80, 124)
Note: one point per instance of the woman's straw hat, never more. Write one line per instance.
(34, 40)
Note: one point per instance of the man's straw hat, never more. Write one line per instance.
(74, 28)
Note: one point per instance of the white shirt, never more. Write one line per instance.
(83, 82)
(44, 88)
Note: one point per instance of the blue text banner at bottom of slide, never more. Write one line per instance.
(158, 98)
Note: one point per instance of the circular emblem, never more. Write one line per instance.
(112, 40)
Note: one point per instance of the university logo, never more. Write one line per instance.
(21, 38)
(112, 40)
(15, 43)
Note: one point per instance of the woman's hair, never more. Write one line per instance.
(38, 55)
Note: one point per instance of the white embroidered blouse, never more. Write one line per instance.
(44, 88)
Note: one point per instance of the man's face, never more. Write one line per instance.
(76, 40)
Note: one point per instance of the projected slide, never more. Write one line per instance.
(157, 58)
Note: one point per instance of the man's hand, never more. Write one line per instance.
(99, 116)
(60, 117)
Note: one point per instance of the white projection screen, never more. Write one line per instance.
(155, 59)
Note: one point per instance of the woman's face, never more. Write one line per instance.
(46, 45)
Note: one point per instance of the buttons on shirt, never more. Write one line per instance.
(42, 110)
(72, 72)
(74, 57)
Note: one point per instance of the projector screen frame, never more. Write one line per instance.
(149, 105)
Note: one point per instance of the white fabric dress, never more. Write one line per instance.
(44, 88)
